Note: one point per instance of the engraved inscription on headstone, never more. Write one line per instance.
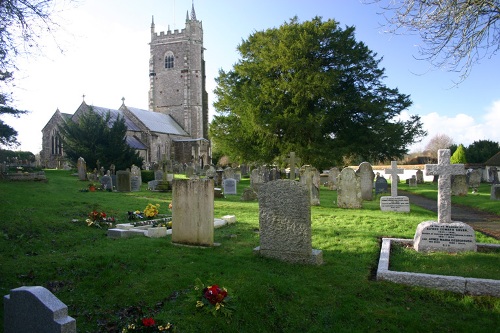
(395, 204)
(450, 237)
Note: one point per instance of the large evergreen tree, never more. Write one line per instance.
(310, 88)
(98, 138)
(482, 150)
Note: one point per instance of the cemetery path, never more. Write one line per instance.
(486, 223)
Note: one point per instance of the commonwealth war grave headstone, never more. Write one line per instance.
(444, 235)
(285, 223)
(394, 203)
(349, 189)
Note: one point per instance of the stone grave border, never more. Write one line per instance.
(458, 284)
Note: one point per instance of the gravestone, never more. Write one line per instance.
(256, 179)
(381, 185)
(248, 194)
(135, 178)
(349, 189)
(444, 235)
(228, 173)
(82, 169)
(293, 161)
(420, 176)
(495, 192)
(159, 175)
(365, 172)
(474, 179)
(394, 203)
(210, 172)
(285, 223)
(459, 185)
(412, 182)
(333, 175)
(310, 178)
(153, 184)
(112, 168)
(36, 310)
(229, 185)
(193, 212)
(123, 183)
(190, 172)
(106, 182)
(493, 175)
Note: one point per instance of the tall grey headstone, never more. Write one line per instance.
(474, 179)
(366, 176)
(285, 223)
(193, 212)
(420, 176)
(82, 169)
(333, 175)
(349, 189)
(135, 178)
(256, 179)
(459, 185)
(444, 235)
(190, 171)
(35, 309)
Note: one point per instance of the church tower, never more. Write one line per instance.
(177, 76)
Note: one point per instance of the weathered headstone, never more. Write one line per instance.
(310, 177)
(495, 192)
(106, 182)
(293, 161)
(420, 176)
(493, 175)
(158, 174)
(190, 172)
(285, 223)
(412, 182)
(444, 235)
(152, 185)
(228, 173)
(256, 179)
(349, 189)
(210, 172)
(135, 178)
(82, 169)
(123, 183)
(229, 185)
(35, 309)
(112, 168)
(193, 212)
(381, 185)
(333, 175)
(365, 172)
(474, 179)
(459, 185)
(248, 194)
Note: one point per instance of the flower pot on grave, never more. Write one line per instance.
(92, 188)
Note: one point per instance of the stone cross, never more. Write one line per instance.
(293, 161)
(444, 170)
(394, 172)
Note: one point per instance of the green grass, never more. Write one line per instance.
(480, 200)
(104, 281)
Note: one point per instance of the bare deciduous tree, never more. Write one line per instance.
(456, 33)
(439, 141)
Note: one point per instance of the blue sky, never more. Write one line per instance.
(106, 56)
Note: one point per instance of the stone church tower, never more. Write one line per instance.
(177, 86)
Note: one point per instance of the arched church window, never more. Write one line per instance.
(169, 59)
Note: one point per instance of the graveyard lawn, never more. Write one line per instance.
(108, 282)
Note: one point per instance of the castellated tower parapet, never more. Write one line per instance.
(177, 76)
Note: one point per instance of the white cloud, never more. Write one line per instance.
(464, 129)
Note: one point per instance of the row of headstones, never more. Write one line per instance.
(285, 234)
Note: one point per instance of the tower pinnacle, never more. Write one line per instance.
(193, 13)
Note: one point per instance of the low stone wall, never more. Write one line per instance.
(24, 176)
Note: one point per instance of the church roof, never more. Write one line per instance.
(158, 122)
(494, 161)
(135, 143)
(131, 126)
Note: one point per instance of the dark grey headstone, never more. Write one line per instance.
(37, 310)
(107, 182)
(381, 185)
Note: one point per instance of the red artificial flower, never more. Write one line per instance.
(214, 294)
(148, 322)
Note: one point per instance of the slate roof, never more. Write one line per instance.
(135, 143)
(494, 161)
(158, 122)
(114, 115)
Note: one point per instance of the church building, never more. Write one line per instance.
(176, 125)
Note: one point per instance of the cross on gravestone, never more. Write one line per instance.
(293, 161)
(394, 172)
(444, 170)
